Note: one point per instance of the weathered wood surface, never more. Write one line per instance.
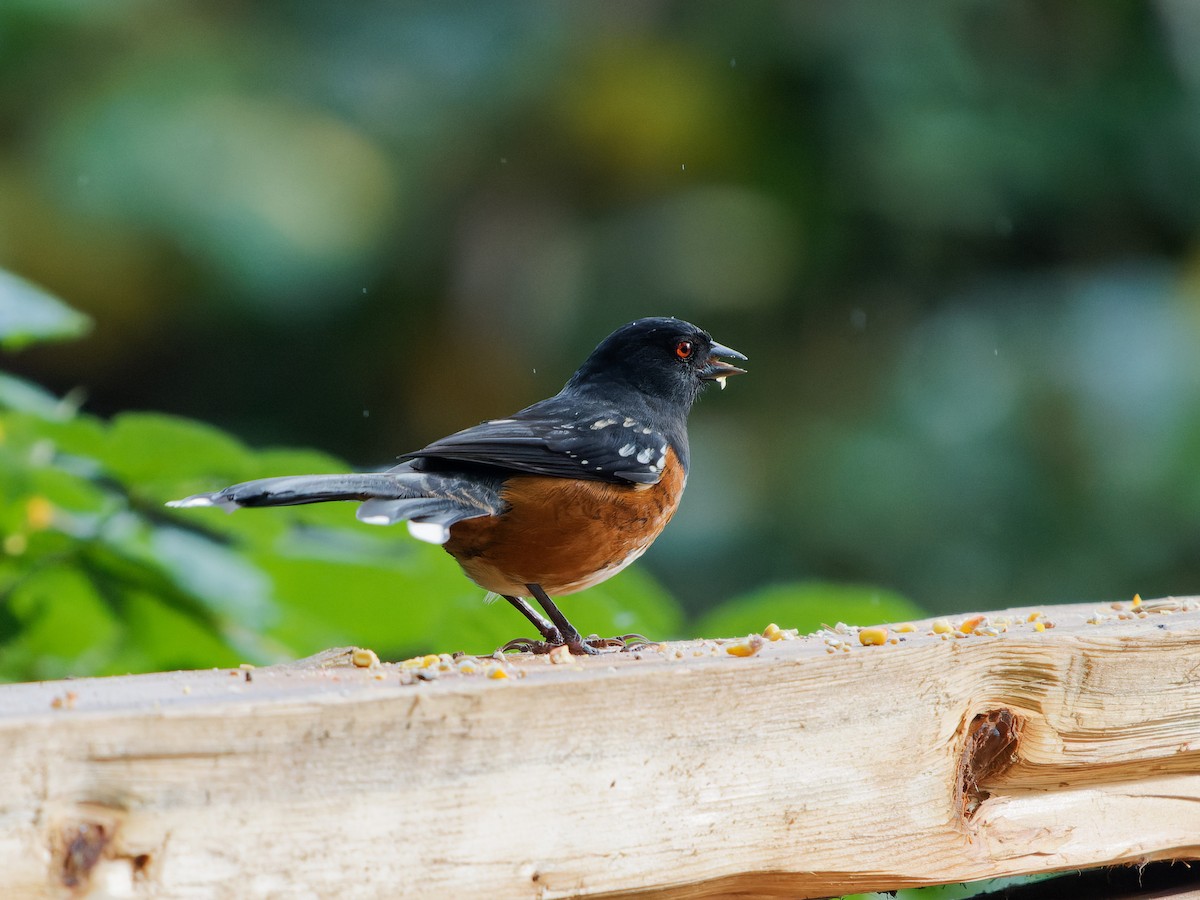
(800, 771)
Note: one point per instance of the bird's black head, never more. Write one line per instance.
(663, 359)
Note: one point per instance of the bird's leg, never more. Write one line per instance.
(558, 631)
(570, 634)
(551, 637)
(548, 631)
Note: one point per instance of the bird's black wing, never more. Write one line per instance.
(542, 440)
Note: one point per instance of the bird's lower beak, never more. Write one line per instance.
(716, 369)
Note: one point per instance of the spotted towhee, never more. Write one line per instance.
(554, 499)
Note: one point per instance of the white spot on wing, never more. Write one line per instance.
(628, 423)
(644, 456)
(627, 450)
(603, 423)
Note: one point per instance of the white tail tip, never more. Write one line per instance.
(186, 502)
(430, 532)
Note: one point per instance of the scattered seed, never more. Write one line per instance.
(559, 655)
(1161, 606)
(748, 646)
(364, 658)
(873, 637)
(968, 626)
(421, 662)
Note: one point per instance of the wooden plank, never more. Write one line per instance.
(801, 771)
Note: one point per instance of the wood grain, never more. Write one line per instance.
(806, 769)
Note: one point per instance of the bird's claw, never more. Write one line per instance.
(526, 645)
(637, 642)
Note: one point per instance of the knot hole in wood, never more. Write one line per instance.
(991, 748)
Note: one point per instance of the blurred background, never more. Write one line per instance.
(957, 240)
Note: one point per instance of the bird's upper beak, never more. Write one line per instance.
(716, 369)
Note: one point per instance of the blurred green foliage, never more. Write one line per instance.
(807, 605)
(958, 240)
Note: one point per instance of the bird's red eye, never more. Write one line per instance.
(684, 349)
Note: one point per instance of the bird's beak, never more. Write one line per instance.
(717, 369)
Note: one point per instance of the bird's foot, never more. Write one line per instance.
(594, 645)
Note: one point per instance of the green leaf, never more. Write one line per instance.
(806, 606)
(29, 314)
(226, 582)
(65, 626)
(155, 454)
(27, 397)
(160, 637)
(399, 604)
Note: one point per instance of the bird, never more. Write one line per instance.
(553, 499)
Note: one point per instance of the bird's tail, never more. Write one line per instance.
(429, 502)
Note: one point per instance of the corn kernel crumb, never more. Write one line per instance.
(873, 637)
(941, 626)
(559, 655)
(772, 632)
(746, 647)
(968, 626)
(364, 658)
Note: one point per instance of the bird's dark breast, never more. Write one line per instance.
(564, 534)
